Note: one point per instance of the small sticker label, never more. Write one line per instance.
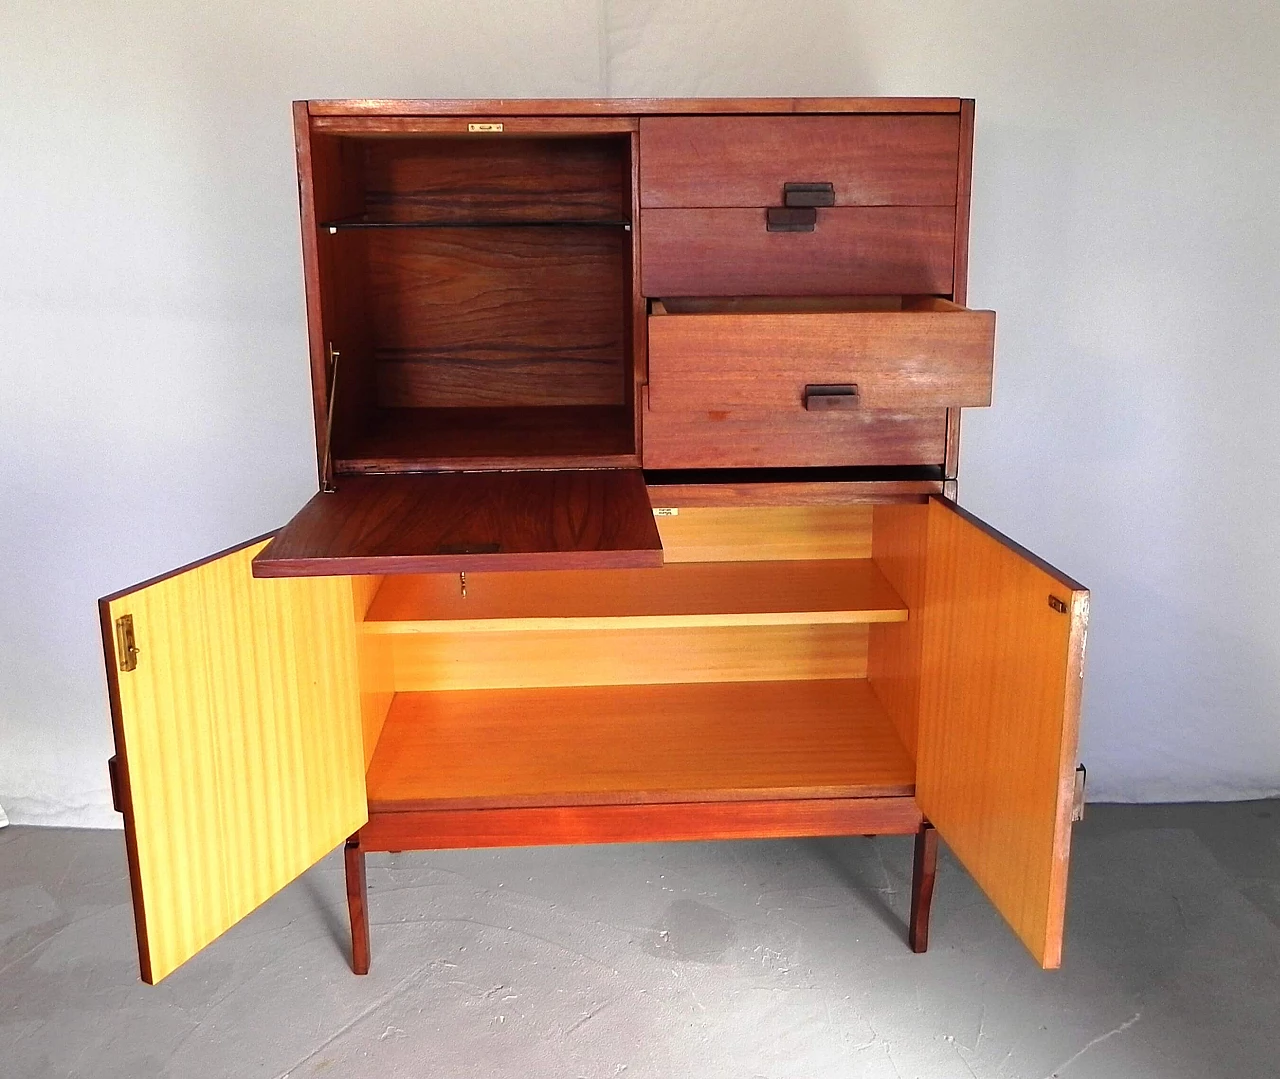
(666, 511)
(484, 127)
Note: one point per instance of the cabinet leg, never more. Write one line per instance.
(357, 905)
(926, 867)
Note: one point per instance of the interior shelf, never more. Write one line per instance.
(597, 745)
(679, 594)
(553, 436)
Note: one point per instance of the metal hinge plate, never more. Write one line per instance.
(1077, 799)
(126, 646)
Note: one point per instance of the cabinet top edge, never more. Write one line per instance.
(634, 106)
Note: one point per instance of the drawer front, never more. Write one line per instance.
(729, 252)
(698, 161)
(934, 355)
(791, 439)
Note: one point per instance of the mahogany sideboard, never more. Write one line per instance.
(637, 430)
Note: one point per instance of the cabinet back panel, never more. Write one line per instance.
(499, 316)
(429, 661)
(466, 178)
(763, 533)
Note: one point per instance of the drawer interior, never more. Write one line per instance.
(478, 294)
(745, 668)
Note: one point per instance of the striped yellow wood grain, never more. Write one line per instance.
(240, 730)
(764, 533)
(999, 716)
(428, 661)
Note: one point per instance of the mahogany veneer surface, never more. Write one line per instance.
(583, 745)
(575, 518)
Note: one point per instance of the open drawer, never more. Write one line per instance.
(897, 353)
(457, 521)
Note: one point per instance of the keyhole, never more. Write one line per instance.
(462, 582)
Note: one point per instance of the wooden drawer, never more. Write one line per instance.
(893, 354)
(731, 252)
(791, 438)
(698, 161)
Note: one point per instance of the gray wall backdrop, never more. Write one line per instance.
(1126, 227)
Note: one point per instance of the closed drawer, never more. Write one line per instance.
(851, 250)
(910, 354)
(792, 438)
(699, 161)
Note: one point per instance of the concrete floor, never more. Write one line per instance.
(781, 958)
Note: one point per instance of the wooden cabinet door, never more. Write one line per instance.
(1002, 654)
(239, 758)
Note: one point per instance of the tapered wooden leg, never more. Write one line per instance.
(358, 905)
(926, 866)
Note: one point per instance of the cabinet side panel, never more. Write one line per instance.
(893, 663)
(377, 677)
(239, 729)
(1003, 641)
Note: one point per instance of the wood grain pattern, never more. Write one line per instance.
(919, 358)
(589, 745)
(623, 106)
(898, 545)
(923, 874)
(693, 594)
(764, 533)
(499, 316)
(875, 250)
(451, 828)
(960, 284)
(357, 904)
(434, 661)
(794, 493)
(240, 733)
(497, 179)
(573, 519)
(694, 161)
(999, 719)
(755, 438)
(549, 436)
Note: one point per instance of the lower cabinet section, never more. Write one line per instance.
(788, 671)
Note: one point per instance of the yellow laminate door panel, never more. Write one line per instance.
(240, 739)
(1001, 663)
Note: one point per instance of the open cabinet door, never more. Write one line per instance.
(239, 757)
(1002, 654)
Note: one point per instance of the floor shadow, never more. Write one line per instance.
(332, 914)
(859, 864)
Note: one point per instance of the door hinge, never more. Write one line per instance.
(126, 646)
(1057, 604)
(1077, 798)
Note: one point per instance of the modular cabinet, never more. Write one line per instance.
(637, 433)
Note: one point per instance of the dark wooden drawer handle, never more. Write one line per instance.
(828, 398)
(808, 194)
(790, 218)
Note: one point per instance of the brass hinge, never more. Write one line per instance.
(126, 647)
(1077, 799)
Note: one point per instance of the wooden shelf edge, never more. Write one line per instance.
(617, 622)
(668, 822)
